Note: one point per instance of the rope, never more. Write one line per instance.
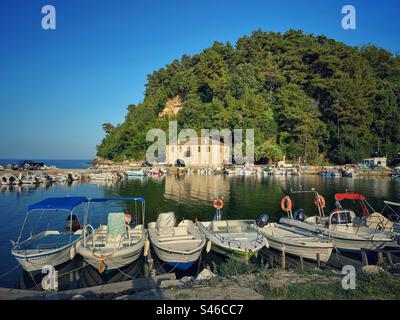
(8, 272)
(126, 275)
(81, 267)
(33, 279)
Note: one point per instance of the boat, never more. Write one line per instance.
(178, 246)
(245, 171)
(388, 220)
(232, 238)
(106, 176)
(28, 178)
(349, 173)
(295, 241)
(9, 180)
(117, 244)
(136, 173)
(50, 247)
(348, 233)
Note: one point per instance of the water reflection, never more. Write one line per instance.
(245, 197)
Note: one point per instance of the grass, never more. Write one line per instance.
(368, 287)
(234, 267)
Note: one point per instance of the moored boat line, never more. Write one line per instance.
(124, 238)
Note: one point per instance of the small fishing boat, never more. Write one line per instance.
(136, 173)
(106, 176)
(235, 238)
(9, 180)
(28, 178)
(50, 247)
(178, 246)
(388, 220)
(245, 171)
(348, 233)
(295, 241)
(117, 244)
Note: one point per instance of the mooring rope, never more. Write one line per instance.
(8, 272)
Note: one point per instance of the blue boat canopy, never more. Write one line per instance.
(141, 200)
(65, 203)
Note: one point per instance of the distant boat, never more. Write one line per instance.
(136, 173)
(9, 180)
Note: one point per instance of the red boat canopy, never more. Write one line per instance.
(349, 196)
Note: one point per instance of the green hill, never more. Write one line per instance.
(306, 96)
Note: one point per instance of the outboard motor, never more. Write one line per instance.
(300, 215)
(262, 221)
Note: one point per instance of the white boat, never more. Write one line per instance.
(246, 171)
(236, 238)
(107, 176)
(348, 233)
(50, 247)
(388, 220)
(233, 238)
(28, 178)
(9, 180)
(116, 244)
(136, 173)
(296, 242)
(178, 246)
(61, 177)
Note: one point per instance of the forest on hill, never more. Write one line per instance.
(306, 96)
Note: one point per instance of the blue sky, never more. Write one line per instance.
(59, 86)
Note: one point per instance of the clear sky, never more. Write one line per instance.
(57, 87)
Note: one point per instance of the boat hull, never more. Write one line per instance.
(307, 252)
(36, 262)
(340, 240)
(176, 260)
(113, 260)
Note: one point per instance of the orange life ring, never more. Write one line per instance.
(320, 201)
(218, 204)
(286, 204)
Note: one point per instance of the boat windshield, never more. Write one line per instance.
(342, 217)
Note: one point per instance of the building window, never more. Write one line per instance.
(172, 149)
(199, 149)
(209, 149)
(180, 149)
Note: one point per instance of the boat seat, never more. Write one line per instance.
(50, 241)
(116, 227)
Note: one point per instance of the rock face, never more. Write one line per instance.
(172, 107)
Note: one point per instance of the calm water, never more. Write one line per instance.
(62, 164)
(189, 197)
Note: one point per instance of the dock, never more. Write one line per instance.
(107, 291)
